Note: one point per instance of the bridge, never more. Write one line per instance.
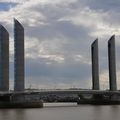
(20, 95)
(78, 96)
(59, 92)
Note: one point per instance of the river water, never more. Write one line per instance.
(61, 111)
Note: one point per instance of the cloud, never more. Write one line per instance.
(102, 25)
(58, 35)
(13, 1)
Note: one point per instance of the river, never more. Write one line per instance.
(62, 111)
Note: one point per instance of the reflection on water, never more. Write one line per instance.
(47, 105)
(12, 114)
(63, 111)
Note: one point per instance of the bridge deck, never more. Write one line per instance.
(46, 92)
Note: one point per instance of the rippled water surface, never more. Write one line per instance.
(63, 112)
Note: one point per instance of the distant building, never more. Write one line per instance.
(4, 59)
(19, 56)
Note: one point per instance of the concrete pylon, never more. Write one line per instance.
(95, 65)
(112, 63)
(4, 59)
(19, 56)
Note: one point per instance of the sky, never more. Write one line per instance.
(58, 38)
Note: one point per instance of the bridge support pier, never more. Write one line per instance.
(115, 98)
(112, 63)
(95, 65)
